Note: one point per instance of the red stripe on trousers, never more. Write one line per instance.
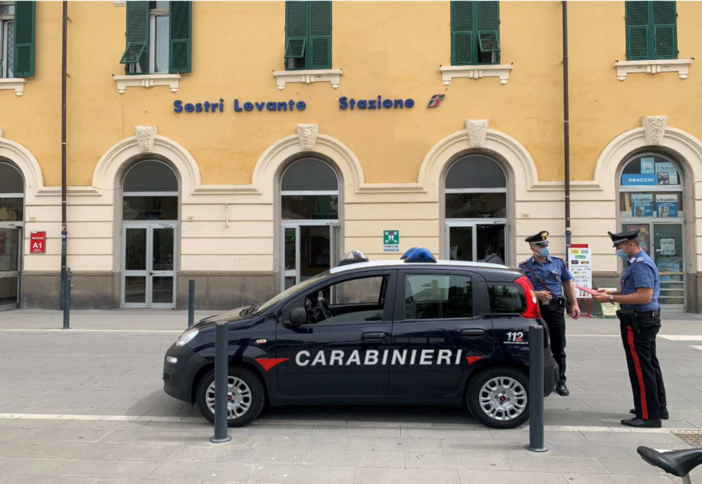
(639, 374)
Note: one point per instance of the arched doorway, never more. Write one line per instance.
(309, 208)
(11, 225)
(149, 234)
(651, 200)
(475, 210)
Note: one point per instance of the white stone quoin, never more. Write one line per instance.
(307, 134)
(477, 131)
(655, 128)
(145, 136)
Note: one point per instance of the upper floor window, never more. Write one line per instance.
(651, 30)
(16, 39)
(475, 33)
(158, 37)
(308, 29)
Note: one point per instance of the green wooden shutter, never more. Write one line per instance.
(665, 41)
(137, 51)
(320, 35)
(295, 30)
(637, 31)
(488, 20)
(462, 33)
(181, 24)
(25, 13)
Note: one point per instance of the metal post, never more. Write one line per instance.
(221, 412)
(536, 389)
(566, 131)
(67, 300)
(191, 303)
(64, 180)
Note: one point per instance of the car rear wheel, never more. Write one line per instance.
(498, 397)
(245, 396)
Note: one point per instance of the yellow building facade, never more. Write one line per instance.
(247, 199)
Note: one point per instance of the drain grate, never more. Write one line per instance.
(691, 437)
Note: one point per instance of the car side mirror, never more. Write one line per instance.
(298, 316)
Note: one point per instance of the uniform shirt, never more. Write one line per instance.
(642, 272)
(553, 272)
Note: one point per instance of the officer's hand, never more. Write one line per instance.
(604, 291)
(575, 311)
(544, 296)
(601, 297)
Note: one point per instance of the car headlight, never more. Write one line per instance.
(187, 337)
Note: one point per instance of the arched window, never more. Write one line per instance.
(476, 210)
(11, 222)
(651, 200)
(309, 200)
(149, 214)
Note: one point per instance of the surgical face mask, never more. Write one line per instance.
(542, 252)
(622, 254)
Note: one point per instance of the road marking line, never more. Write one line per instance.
(134, 418)
(682, 337)
(696, 347)
(69, 331)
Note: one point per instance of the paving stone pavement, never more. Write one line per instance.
(79, 407)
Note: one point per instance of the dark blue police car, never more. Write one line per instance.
(414, 331)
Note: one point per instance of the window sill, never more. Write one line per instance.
(681, 66)
(147, 80)
(502, 71)
(13, 84)
(308, 77)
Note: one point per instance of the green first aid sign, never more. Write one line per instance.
(391, 241)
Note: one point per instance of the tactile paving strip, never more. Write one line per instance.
(691, 437)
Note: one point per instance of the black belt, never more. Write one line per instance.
(648, 314)
(556, 301)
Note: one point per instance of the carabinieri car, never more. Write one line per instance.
(415, 331)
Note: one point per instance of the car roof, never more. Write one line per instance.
(396, 264)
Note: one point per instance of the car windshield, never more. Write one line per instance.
(291, 291)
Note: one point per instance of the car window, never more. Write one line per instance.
(438, 296)
(358, 300)
(506, 298)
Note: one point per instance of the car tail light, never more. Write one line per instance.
(532, 303)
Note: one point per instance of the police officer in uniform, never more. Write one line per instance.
(549, 276)
(640, 319)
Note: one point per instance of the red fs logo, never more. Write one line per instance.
(435, 100)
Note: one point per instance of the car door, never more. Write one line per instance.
(441, 327)
(342, 353)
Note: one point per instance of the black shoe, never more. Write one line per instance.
(640, 423)
(562, 390)
(663, 414)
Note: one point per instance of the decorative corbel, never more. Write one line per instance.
(307, 135)
(654, 127)
(146, 136)
(477, 131)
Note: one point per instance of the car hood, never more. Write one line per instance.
(233, 315)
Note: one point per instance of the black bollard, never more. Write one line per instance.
(536, 389)
(191, 303)
(221, 412)
(66, 291)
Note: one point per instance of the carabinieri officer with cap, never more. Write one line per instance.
(549, 276)
(640, 318)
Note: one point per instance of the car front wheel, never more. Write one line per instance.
(498, 397)
(245, 396)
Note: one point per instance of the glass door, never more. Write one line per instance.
(308, 249)
(148, 279)
(10, 267)
(461, 242)
(476, 242)
(668, 255)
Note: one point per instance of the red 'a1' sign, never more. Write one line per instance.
(37, 243)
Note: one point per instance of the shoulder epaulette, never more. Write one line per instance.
(524, 261)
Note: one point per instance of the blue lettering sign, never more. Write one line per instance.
(636, 179)
(379, 103)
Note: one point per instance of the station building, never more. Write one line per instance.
(249, 145)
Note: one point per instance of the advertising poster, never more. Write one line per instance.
(667, 174)
(580, 265)
(667, 246)
(640, 179)
(647, 165)
(667, 205)
(642, 205)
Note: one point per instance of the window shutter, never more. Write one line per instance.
(295, 29)
(181, 24)
(665, 40)
(23, 65)
(637, 31)
(320, 35)
(488, 14)
(137, 51)
(461, 33)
